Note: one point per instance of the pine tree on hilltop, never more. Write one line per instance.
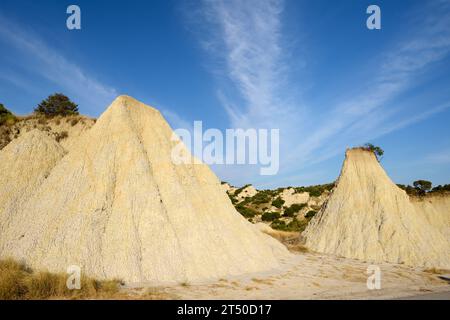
(57, 104)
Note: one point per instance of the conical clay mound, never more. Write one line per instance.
(368, 217)
(118, 207)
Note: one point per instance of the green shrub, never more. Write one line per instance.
(410, 190)
(270, 216)
(293, 209)
(246, 212)
(246, 200)
(294, 225)
(232, 198)
(310, 214)
(422, 187)
(240, 189)
(278, 202)
(315, 191)
(261, 197)
(440, 188)
(279, 225)
(57, 104)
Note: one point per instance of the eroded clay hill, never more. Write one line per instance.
(24, 166)
(117, 206)
(436, 209)
(368, 217)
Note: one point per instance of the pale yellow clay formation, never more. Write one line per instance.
(368, 217)
(118, 207)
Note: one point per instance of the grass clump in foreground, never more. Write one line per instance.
(18, 282)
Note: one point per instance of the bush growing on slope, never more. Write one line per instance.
(246, 212)
(294, 225)
(293, 209)
(410, 190)
(232, 199)
(270, 216)
(441, 188)
(310, 214)
(236, 193)
(278, 202)
(261, 197)
(315, 191)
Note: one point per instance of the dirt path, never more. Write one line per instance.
(314, 276)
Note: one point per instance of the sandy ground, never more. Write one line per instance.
(310, 276)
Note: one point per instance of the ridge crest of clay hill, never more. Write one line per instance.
(368, 217)
(117, 206)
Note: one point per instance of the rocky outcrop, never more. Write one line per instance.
(290, 197)
(246, 192)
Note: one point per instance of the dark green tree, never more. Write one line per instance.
(278, 202)
(57, 104)
(270, 216)
(375, 149)
(422, 185)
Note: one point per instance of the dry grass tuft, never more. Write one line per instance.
(156, 294)
(437, 271)
(18, 282)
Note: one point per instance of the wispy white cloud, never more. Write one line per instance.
(248, 37)
(49, 64)
(370, 115)
(251, 46)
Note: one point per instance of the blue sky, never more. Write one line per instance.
(310, 68)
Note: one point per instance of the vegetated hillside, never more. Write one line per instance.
(291, 208)
(418, 192)
(64, 129)
(286, 209)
